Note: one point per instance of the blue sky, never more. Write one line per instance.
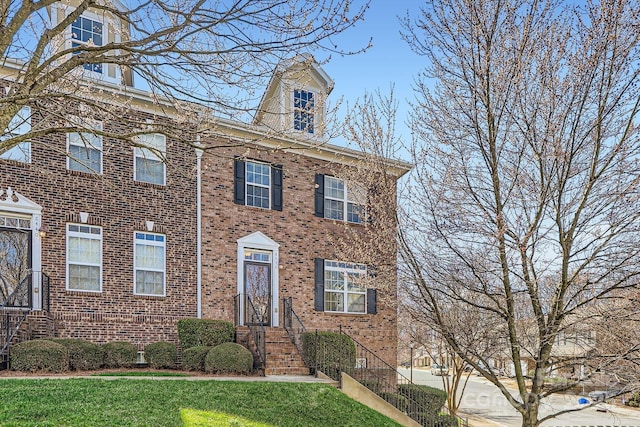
(388, 61)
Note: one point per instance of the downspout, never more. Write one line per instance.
(199, 232)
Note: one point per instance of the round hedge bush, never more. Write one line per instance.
(161, 355)
(193, 358)
(207, 332)
(230, 358)
(119, 354)
(83, 355)
(39, 355)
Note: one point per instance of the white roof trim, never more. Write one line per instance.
(12, 201)
(258, 239)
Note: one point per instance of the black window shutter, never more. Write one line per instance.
(319, 196)
(276, 187)
(238, 182)
(319, 284)
(372, 299)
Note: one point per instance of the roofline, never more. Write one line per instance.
(313, 148)
(144, 101)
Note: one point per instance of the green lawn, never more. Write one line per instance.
(125, 402)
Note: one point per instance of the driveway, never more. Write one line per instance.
(481, 398)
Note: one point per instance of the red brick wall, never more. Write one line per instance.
(120, 206)
(302, 237)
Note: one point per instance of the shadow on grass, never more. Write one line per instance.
(197, 418)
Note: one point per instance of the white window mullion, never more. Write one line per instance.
(20, 124)
(84, 258)
(149, 165)
(149, 264)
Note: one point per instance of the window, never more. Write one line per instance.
(20, 124)
(87, 32)
(149, 159)
(258, 184)
(303, 110)
(149, 264)
(343, 287)
(335, 200)
(340, 287)
(84, 258)
(85, 149)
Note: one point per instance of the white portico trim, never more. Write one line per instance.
(15, 204)
(259, 241)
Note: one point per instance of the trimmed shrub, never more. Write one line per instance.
(161, 355)
(229, 358)
(193, 358)
(430, 399)
(83, 355)
(446, 420)
(396, 400)
(204, 332)
(119, 354)
(335, 352)
(39, 355)
(372, 385)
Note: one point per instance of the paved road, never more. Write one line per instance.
(483, 399)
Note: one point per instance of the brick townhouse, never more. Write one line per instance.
(118, 242)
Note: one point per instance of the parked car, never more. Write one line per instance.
(602, 395)
(439, 370)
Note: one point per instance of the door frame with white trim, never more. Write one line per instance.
(15, 205)
(250, 244)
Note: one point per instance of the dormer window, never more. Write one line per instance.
(87, 32)
(303, 110)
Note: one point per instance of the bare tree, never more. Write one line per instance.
(417, 327)
(523, 208)
(95, 57)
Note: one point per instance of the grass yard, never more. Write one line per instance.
(125, 402)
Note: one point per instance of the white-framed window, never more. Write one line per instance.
(303, 110)
(149, 264)
(344, 287)
(343, 203)
(20, 124)
(84, 258)
(85, 149)
(258, 185)
(87, 30)
(149, 163)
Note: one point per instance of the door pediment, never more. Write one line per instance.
(258, 240)
(12, 201)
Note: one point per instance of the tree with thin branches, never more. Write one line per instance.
(523, 208)
(90, 58)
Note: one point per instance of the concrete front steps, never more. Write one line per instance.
(282, 357)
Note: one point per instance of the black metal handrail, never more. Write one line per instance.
(10, 321)
(256, 327)
(293, 325)
(380, 377)
(21, 296)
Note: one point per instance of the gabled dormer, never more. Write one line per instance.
(295, 99)
(93, 28)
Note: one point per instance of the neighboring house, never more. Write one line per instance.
(117, 243)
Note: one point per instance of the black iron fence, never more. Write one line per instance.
(22, 295)
(363, 365)
(10, 321)
(17, 306)
(252, 319)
